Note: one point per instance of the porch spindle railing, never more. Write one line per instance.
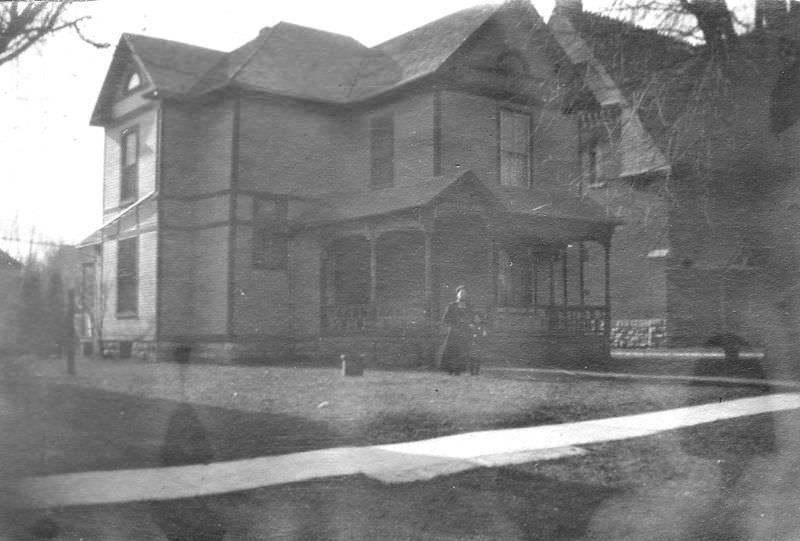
(347, 318)
(577, 319)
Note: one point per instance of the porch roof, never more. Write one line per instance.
(96, 237)
(551, 203)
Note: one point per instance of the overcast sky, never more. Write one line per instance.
(51, 176)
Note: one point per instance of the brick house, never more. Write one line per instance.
(708, 241)
(305, 195)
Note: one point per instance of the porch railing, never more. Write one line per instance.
(573, 320)
(577, 319)
(348, 318)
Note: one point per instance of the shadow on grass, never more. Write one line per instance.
(491, 503)
(731, 446)
(60, 429)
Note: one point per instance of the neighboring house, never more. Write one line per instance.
(707, 236)
(305, 195)
(10, 277)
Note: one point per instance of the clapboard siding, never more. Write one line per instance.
(142, 326)
(147, 125)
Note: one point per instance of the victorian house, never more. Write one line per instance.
(305, 195)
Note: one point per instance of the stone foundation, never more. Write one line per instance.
(638, 333)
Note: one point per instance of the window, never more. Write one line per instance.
(129, 160)
(128, 277)
(595, 157)
(270, 234)
(530, 277)
(382, 152)
(515, 151)
(134, 82)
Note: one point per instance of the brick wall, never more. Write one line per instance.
(291, 147)
(260, 296)
(413, 138)
(210, 280)
(197, 148)
(176, 282)
(304, 261)
(638, 282)
(469, 135)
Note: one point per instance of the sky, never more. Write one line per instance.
(51, 159)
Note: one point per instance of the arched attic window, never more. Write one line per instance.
(511, 64)
(133, 82)
(130, 82)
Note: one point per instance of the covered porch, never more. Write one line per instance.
(388, 277)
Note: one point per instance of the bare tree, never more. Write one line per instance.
(24, 24)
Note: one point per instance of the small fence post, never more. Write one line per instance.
(69, 332)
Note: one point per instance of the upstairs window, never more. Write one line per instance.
(382, 152)
(128, 277)
(594, 161)
(515, 148)
(133, 82)
(129, 162)
(270, 234)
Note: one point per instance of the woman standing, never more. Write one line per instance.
(461, 323)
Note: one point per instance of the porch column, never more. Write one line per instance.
(564, 276)
(607, 322)
(428, 273)
(373, 268)
(492, 273)
(581, 273)
(324, 271)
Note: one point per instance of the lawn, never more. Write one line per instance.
(117, 414)
(711, 481)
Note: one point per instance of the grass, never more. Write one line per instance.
(715, 479)
(385, 406)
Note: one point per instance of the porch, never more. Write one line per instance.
(387, 282)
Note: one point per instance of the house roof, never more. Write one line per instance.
(172, 66)
(290, 60)
(542, 202)
(97, 236)
(620, 61)
(8, 262)
(303, 62)
(296, 61)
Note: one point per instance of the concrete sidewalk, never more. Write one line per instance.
(393, 463)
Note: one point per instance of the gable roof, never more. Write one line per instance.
(170, 67)
(612, 51)
(296, 61)
(422, 51)
(542, 202)
(340, 207)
